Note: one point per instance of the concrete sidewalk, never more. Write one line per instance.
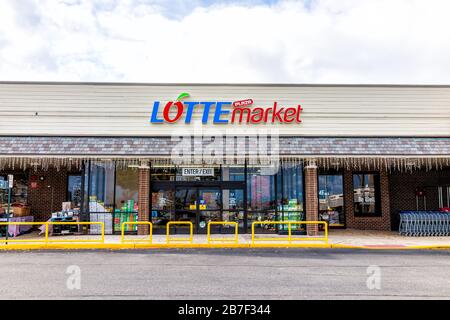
(337, 238)
(350, 237)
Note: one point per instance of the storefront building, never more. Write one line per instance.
(351, 155)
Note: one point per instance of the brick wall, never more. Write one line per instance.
(382, 222)
(40, 198)
(144, 199)
(42, 205)
(403, 187)
(312, 199)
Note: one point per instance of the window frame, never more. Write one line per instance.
(377, 185)
(72, 174)
(332, 172)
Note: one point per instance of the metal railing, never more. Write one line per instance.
(148, 223)
(289, 237)
(234, 239)
(14, 240)
(311, 229)
(102, 225)
(47, 239)
(180, 239)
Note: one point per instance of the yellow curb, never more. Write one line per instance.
(384, 247)
(122, 246)
(125, 246)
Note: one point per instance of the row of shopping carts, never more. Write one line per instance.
(424, 223)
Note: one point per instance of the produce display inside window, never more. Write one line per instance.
(291, 212)
(127, 213)
(290, 196)
(127, 186)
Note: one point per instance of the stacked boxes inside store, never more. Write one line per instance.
(99, 213)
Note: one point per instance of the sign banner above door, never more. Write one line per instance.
(198, 172)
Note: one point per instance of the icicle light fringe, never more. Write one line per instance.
(388, 164)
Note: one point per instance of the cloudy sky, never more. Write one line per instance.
(260, 41)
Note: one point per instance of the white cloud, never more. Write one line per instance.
(322, 41)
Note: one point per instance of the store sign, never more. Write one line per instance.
(197, 172)
(242, 111)
(10, 180)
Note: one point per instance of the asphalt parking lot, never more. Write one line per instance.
(226, 274)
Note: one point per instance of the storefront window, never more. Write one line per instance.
(290, 190)
(261, 194)
(127, 182)
(162, 199)
(233, 199)
(269, 193)
(19, 192)
(127, 186)
(86, 170)
(331, 199)
(101, 189)
(261, 189)
(207, 216)
(161, 173)
(234, 216)
(366, 191)
(74, 190)
(233, 173)
(210, 199)
(162, 206)
(186, 199)
(101, 195)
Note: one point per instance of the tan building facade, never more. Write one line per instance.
(354, 156)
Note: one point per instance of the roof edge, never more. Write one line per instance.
(195, 84)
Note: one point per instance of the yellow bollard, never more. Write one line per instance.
(236, 235)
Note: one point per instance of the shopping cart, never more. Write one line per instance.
(424, 223)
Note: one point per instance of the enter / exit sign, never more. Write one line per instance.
(198, 172)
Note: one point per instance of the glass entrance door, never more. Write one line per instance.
(186, 207)
(209, 207)
(198, 205)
